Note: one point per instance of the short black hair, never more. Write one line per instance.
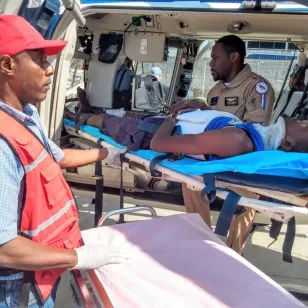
(233, 43)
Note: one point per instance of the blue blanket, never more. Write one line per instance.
(276, 163)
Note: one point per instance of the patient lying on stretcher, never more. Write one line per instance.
(201, 134)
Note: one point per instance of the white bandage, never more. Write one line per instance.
(272, 135)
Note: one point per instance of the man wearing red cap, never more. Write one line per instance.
(39, 232)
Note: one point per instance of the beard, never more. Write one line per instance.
(214, 75)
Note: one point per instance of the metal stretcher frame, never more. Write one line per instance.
(296, 205)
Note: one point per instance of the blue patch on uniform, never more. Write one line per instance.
(261, 87)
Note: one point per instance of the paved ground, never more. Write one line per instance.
(260, 251)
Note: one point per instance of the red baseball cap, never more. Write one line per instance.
(18, 35)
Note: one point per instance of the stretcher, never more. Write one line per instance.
(281, 179)
(175, 261)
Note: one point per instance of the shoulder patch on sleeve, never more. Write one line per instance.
(261, 87)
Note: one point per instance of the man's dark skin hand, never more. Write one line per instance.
(194, 103)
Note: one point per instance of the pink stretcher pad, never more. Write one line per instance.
(177, 261)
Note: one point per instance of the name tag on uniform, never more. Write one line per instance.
(231, 101)
(214, 101)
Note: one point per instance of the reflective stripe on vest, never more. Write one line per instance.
(34, 164)
(49, 215)
(51, 220)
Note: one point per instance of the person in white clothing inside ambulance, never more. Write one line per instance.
(157, 74)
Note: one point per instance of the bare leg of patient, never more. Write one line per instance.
(95, 120)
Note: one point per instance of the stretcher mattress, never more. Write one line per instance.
(291, 165)
(177, 261)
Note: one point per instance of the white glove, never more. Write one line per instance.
(113, 157)
(96, 255)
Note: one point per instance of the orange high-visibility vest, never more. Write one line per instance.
(49, 215)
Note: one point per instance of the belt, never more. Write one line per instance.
(9, 271)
